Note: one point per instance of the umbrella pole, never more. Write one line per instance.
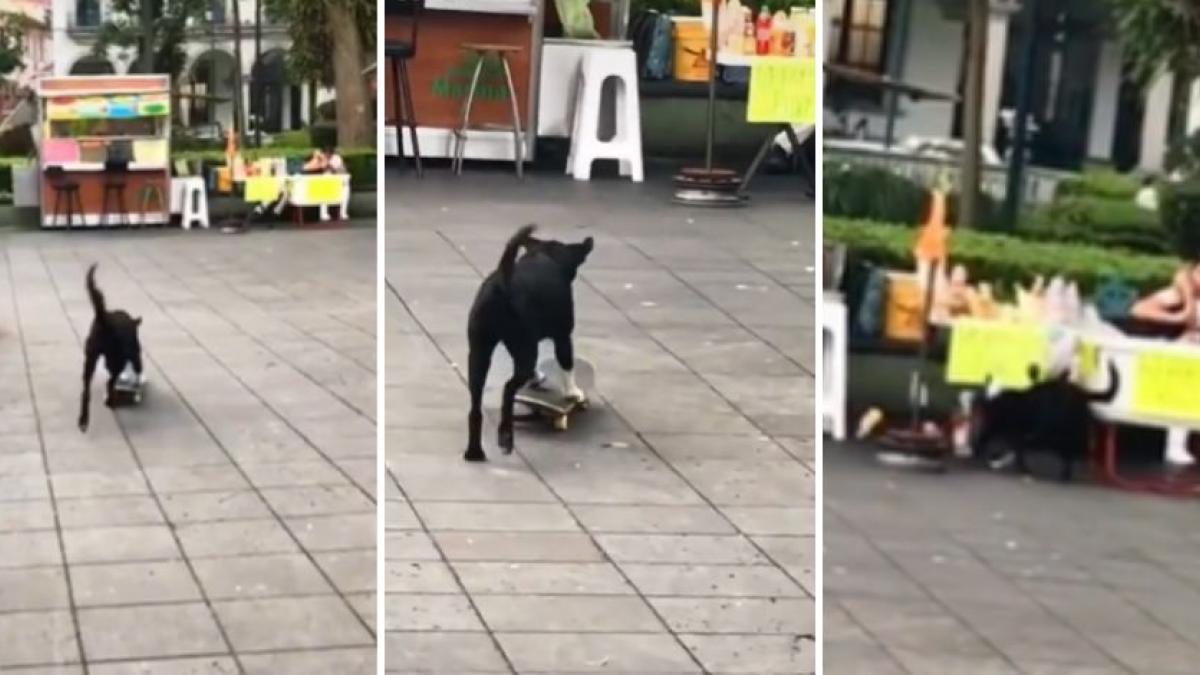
(915, 392)
(711, 130)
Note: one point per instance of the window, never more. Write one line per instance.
(87, 13)
(859, 34)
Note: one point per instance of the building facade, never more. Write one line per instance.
(1084, 109)
(208, 78)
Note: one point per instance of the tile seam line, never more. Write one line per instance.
(62, 550)
(241, 471)
(212, 612)
(670, 465)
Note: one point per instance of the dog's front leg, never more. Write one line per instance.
(85, 400)
(564, 353)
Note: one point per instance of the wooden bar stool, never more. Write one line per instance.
(482, 51)
(398, 53)
(115, 173)
(64, 188)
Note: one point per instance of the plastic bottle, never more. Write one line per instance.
(779, 24)
(762, 32)
(748, 47)
(799, 27)
(733, 21)
(787, 40)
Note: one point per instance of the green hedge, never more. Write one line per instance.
(1004, 260)
(1097, 221)
(1101, 183)
(876, 193)
(1179, 208)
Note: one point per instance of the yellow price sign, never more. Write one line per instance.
(1004, 351)
(1165, 385)
(262, 189)
(783, 90)
(324, 189)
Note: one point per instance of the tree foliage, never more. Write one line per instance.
(1158, 35)
(155, 29)
(312, 36)
(12, 44)
(331, 41)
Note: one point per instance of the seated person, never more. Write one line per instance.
(1175, 305)
(326, 160)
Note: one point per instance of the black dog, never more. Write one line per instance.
(114, 335)
(1053, 414)
(520, 304)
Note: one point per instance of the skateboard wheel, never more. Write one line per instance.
(560, 422)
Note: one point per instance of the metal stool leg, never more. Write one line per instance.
(410, 114)
(518, 141)
(460, 136)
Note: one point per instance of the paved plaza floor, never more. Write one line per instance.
(976, 573)
(226, 525)
(670, 530)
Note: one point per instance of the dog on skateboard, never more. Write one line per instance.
(113, 336)
(524, 301)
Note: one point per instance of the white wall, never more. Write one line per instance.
(1104, 105)
(934, 58)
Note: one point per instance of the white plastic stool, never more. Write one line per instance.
(833, 350)
(597, 66)
(190, 200)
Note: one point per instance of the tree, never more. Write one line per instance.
(157, 30)
(12, 44)
(1158, 35)
(330, 43)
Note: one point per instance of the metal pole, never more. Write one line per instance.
(256, 73)
(712, 86)
(973, 112)
(1016, 163)
(899, 47)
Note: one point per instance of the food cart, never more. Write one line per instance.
(441, 71)
(96, 127)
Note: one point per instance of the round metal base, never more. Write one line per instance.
(708, 187)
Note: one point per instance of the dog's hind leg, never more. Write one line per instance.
(564, 353)
(479, 362)
(85, 400)
(524, 356)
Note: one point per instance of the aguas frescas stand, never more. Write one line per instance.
(104, 151)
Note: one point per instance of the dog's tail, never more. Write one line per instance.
(509, 258)
(95, 294)
(1114, 385)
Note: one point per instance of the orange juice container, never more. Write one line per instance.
(778, 28)
(787, 40)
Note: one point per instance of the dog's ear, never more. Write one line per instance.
(137, 321)
(588, 244)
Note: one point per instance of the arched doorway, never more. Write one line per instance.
(209, 89)
(273, 101)
(92, 65)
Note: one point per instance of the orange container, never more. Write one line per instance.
(691, 50)
(903, 320)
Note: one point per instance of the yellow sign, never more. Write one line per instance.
(1005, 351)
(323, 189)
(262, 189)
(1165, 385)
(783, 90)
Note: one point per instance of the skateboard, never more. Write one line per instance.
(129, 388)
(546, 398)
